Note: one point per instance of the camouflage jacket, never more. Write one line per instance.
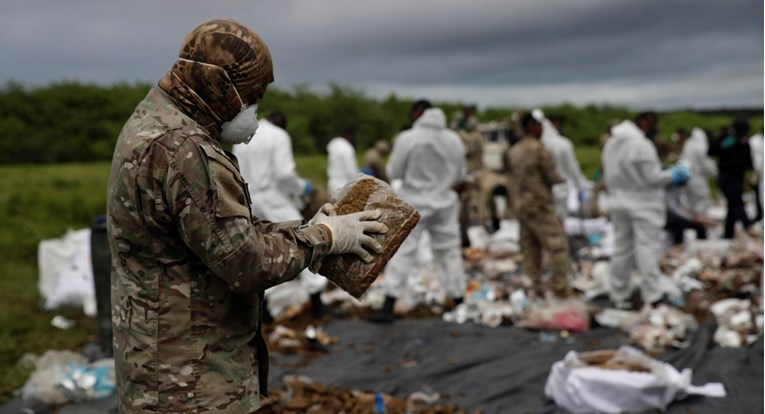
(189, 265)
(532, 173)
(374, 162)
(473, 142)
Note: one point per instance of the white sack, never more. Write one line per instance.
(66, 272)
(579, 388)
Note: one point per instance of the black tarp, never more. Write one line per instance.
(504, 370)
(497, 370)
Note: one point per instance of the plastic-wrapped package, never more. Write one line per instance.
(620, 381)
(557, 314)
(368, 193)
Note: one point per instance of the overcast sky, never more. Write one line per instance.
(641, 53)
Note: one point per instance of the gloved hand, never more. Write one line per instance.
(680, 174)
(582, 195)
(307, 189)
(350, 231)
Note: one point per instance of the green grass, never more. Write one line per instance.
(313, 168)
(589, 159)
(40, 202)
(37, 203)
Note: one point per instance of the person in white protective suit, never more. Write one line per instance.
(703, 168)
(342, 166)
(268, 166)
(429, 159)
(562, 151)
(756, 145)
(636, 185)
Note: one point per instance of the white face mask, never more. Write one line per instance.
(241, 129)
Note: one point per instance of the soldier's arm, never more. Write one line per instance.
(208, 201)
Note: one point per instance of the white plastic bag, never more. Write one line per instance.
(580, 388)
(66, 272)
(51, 369)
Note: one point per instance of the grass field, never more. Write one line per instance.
(36, 203)
(40, 202)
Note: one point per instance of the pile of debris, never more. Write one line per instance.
(717, 280)
(303, 395)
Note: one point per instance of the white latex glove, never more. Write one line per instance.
(350, 231)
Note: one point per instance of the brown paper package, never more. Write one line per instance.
(348, 271)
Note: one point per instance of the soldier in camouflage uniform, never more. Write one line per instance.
(472, 205)
(374, 160)
(533, 174)
(189, 262)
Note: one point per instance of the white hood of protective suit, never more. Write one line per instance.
(430, 160)
(431, 118)
(698, 134)
(627, 129)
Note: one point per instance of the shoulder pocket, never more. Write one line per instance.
(232, 198)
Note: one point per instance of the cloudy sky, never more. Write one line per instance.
(641, 53)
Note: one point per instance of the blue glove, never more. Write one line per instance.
(307, 188)
(728, 142)
(582, 196)
(680, 175)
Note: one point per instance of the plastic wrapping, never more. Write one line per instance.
(620, 381)
(367, 193)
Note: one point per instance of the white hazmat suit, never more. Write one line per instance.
(703, 168)
(636, 185)
(429, 159)
(268, 167)
(756, 145)
(341, 164)
(562, 151)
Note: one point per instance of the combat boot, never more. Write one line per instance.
(319, 309)
(385, 314)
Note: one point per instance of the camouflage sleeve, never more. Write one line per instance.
(208, 198)
(548, 168)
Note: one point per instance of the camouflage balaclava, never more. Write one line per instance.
(219, 62)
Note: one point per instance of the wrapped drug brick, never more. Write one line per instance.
(368, 193)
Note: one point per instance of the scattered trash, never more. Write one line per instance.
(620, 381)
(285, 339)
(548, 337)
(61, 322)
(736, 323)
(654, 329)
(379, 403)
(567, 314)
(51, 368)
(617, 318)
(302, 394)
(89, 382)
(419, 400)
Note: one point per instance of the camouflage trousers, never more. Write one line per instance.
(541, 232)
(477, 200)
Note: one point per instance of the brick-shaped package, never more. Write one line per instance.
(348, 271)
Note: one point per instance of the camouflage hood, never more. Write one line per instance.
(220, 64)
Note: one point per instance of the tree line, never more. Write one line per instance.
(77, 122)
